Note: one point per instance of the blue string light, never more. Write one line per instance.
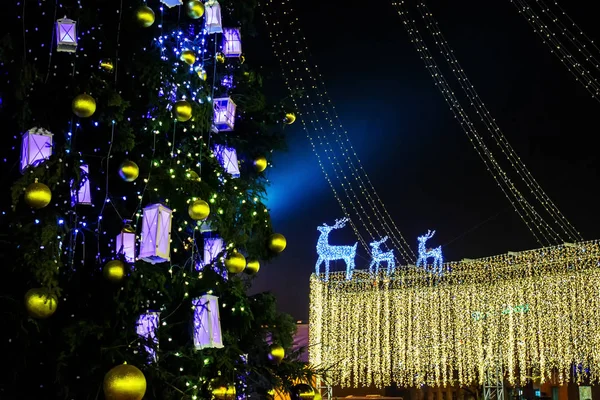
(425, 254)
(377, 257)
(329, 253)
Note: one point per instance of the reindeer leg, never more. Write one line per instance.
(326, 270)
(319, 261)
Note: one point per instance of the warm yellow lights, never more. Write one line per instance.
(534, 312)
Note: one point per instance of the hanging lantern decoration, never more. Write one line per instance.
(182, 111)
(227, 157)
(188, 57)
(144, 16)
(277, 242)
(195, 9)
(198, 210)
(40, 303)
(201, 73)
(125, 242)
(260, 163)
(290, 118)
(107, 65)
(276, 354)
(82, 194)
(224, 118)
(36, 147)
(114, 271)
(235, 262)
(252, 267)
(84, 106)
(213, 246)
(213, 17)
(155, 246)
(129, 171)
(224, 393)
(38, 195)
(207, 324)
(124, 382)
(302, 391)
(172, 3)
(147, 326)
(232, 42)
(66, 35)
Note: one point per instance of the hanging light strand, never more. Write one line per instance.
(492, 127)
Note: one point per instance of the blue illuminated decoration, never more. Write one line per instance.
(425, 253)
(377, 257)
(227, 157)
(147, 325)
(329, 253)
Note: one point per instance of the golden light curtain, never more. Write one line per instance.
(534, 312)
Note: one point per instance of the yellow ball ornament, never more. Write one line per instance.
(144, 16)
(107, 65)
(224, 393)
(235, 262)
(260, 164)
(195, 9)
(188, 57)
(252, 267)
(192, 175)
(290, 118)
(124, 382)
(277, 242)
(182, 110)
(129, 171)
(84, 106)
(302, 391)
(201, 73)
(38, 195)
(276, 354)
(220, 58)
(114, 270)
(199, 210)
(39, 303)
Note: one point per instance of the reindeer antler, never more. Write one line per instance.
(430, 234)
(340, 223)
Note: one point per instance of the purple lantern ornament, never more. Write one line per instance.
(36, 147)
(232, 42)
(155, 246)
(66, 35)
(227, 157)
(224, 118)
(125, 242)
(82, 195)
(207, 324)
(212, 12)
(147, 325)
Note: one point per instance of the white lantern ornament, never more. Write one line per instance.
(125, 242)
(147, 326)
(82, 195)
(66, 35)
(232, 42)
(227, 157)
(207, 323)
(36, 147)
(155, 246)
(212, 15)
(224, 118)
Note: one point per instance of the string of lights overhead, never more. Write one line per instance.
(520, 204)
(572, 46)
(492, 127)
(309, 99)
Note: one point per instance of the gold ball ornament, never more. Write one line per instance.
(224, 393)
(39, 303)
(188, 57)
(235, 262)
(260, 164)
(84, 106)
(38, 195)
(220, 58)
(144, 16)
(182, 110)
(252, 267)
(107, 65)
(192, 175)
(114, 270)
(290, 118)
(129, 171)
(201, 73)
(124, 382)
(242, 59)
(199, 210)
(276, 354)
(302, 391)
(195, 9)
(277, 242)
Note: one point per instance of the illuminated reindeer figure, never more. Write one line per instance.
(329, 253)
(377, 257)
(425, 253)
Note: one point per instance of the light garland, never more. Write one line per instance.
(535, 313)
(328, 253)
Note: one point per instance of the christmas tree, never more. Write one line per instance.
(136, 215)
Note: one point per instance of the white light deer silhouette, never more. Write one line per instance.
(329, 253)
(425, 253)
(377, 257)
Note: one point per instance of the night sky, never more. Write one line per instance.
(415, 153)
